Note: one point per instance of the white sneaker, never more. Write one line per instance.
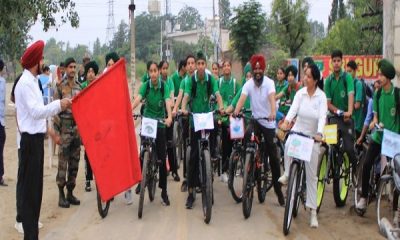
(128, 197)
(224, 177)
(40, 225)
(18, 227)
(314, 220)
(283, 179)
(361, 204)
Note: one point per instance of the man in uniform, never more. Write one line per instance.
(70, 148)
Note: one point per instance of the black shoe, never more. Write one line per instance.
(190, 201)
(62, 202)
(184, 186)
(137, 190)
(176, 177)
(198, 189)
(88, 188)
(164, 198)
(72, 199)
(281, 199)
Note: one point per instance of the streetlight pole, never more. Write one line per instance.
(133, 44)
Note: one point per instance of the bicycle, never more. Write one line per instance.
(102, 207)
(296, 190)
(257, 171)
(335, 165)
(150, 165)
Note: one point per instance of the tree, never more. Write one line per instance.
(148, 28)
(289, 25)
(248, 30)
(338, 12)
(225, 13)
(181, 49)
(96, 47)
(189, 18)
(121, 40)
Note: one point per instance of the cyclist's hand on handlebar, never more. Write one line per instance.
(222, 111)
(359, 141)
(168, 121)
(174, 113)
(318, 138)
(284, 126)
(184, 112)
(272, 117)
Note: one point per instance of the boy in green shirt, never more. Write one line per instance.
(339, 90)
(386, 113)
(178, 76)
(205, 86)
(289, 91)
(157, 103)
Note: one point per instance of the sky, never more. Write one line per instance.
(93, 16)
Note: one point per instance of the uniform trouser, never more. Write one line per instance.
(161, 158)
(213, 140)
(193, 168)
(2, 141)
(270, 149)
(347, 132)
(373, 152)
(171, 149)
(68, 159)
(227, 144)
(18, 190)
(88, 172)
(30, 180)
(311, 174)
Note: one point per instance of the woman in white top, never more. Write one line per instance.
(310, 107)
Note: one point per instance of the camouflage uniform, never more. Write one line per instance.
(70, 148)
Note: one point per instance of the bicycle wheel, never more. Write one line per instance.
(247, 197)
(386, 207)
(341, 180)
(291, 197)
(206, 195)
(177, 140)
(143, 183)
(322, 176)
(235, 181)
(102, 207)
(152, 169)
(264, 180)
(300, 181)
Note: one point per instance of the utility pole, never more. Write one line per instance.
(111, 24)
(133, 43)
(220, 31)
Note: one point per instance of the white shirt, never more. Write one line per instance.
(259, 102)
(310, 112)
(31, 111)
(2, 101)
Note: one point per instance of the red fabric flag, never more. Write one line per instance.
(103, 115)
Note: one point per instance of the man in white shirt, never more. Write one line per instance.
(261, 91)
(2, 121)
(31, 119)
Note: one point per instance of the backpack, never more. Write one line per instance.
(396, 99)
(194, 86)
(364, 101)
(234, 84)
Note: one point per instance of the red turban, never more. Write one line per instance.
(257, 59)
(32, 55)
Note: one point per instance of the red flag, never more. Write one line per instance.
(103, 115)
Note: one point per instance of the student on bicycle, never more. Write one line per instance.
(157, 104)
(387, 115)
(204, 85)
(228, 87)
(310, 107)
(261, 91)
(287, 93)
(339, 90)
(215, 70)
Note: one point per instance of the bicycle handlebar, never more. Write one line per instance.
(159, 120)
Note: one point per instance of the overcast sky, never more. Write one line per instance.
(93, 16)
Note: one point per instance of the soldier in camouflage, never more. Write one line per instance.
(70, 146)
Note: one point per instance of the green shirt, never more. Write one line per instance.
(155, 102)
(358, 114)
(170, 85)
(228, 89)
(387, 114)
(335, 90)
(84, 84)
(200, 104)
(279, 88)
(177, 79)
(145, 77)
(289, 93)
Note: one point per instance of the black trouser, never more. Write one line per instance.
(346, 129)
(193, 168)
(270, 149)
(373, 152)
(30, 176)
(161, 158)
(171, 149)
(227, 144)
(88, 172)
(19, 183)
(2, 141)
(185, 135)
(213, 140)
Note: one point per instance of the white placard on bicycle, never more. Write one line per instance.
(390, 143)
(300, 147)
(149, 128)
(203, 121)
(236, 128)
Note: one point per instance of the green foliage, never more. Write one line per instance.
(225, 13)
(189, 18)
(278, 59)
(148, 28)
(121, 41)
(248, 29)
(338, 12)
(181, 49)
(289, 25)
